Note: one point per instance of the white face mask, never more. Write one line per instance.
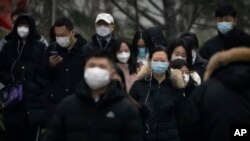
(97, 77)
(123, 57)
(186, 78)
(23, 32)
(103, 30)
(63, 41)
(174, 57)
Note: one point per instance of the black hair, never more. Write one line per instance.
(121, 74)
(64, 21)
(101, 54)
(225, 10)
(132, 63)
(186, 44)
(137, 36)
(193, 37)
(178, 64)
(158, 48)
(18, 12)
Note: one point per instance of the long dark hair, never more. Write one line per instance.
(186, 43)
(132, 63)
(137, 36)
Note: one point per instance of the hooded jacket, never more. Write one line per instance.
(222, 101)
(162, 100)
(12, 35)
(79, 117)
(20, 62)
(220, 42)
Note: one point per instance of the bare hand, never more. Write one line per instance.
(54, 60)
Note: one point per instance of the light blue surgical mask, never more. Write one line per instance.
(159, 67)
(224, 27)
(142, 52)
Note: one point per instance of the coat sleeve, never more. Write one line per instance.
(5, 76)
(133, 130)
(133, 91)
(55, 130)
(190, 115)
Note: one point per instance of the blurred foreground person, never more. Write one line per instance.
(222, 101)
(99, 110)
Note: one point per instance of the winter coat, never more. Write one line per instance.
(97, 43)
(199, 65)
(79, 117)
(222, 101)
(220, 42)
(65, 76)
(23, 62)
(162, 100)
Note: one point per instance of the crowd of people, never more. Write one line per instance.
(111, 89)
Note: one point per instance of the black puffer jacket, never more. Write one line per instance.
(66, 75)
(26, 69)
(162, 101)
(79, 118)
(221, 42)
(223, 100)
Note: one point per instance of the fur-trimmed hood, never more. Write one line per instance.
(232, 68)
(225, 58)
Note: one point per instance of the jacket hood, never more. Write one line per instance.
(113, 92)
(32, 28)
(231, 67)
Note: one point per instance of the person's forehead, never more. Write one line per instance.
(179, 49)
(61, 29)
(159, 54)
(96, 60)
(226, 17)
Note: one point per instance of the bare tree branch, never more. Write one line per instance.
(127, 14)
(144, 13)
(195, 14)
(155, 5)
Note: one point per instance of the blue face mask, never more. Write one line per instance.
(142, 52)
(224, 27)
(159, 67)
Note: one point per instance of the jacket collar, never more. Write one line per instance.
(113, 92)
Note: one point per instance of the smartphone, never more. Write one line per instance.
(53, 53)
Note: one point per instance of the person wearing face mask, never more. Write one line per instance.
(126, 60)
(222, 102)
(14, 15)
(179, 49)
(98, 109)
(157, 92)
(141, 48)
(20, 63)
(63, 63)
(184, 78)
(229, 35)
(103, 39)
(198, 63)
